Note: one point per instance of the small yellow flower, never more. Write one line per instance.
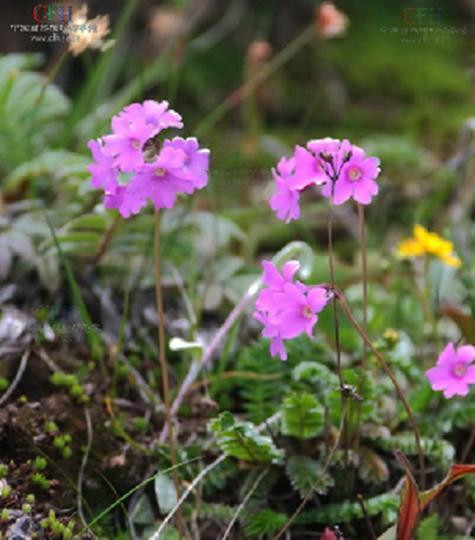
(425, 242)
(87, 33)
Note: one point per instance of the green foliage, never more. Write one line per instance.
(260, 397)
(306, 475)
(39, 464)
(265, 522)
(428, 529)
(214, 511)
(316, 376)
(165, 493)
(242, 440)
(302, 415)
(386, 504)
(440, 450)
(368, 391)
(30, 110)
(40, 480)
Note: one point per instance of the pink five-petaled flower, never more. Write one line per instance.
(147, 170)
(285, 201)
(454, 371)
(155, 114)
(342, 169)
(180, 167)
(126, 144)
(357, 178)
(287, 308)
(103, 171)
(298, 312)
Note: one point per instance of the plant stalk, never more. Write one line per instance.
(164, 366)
(351, 318)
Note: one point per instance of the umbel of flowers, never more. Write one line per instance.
(342, 169)
(287, 308)
(132, 165)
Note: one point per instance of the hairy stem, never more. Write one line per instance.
(347, 311)
(164, 366)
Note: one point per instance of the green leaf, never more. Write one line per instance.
(260, 397)
(54, 165)
(165, 492)
(302, 416)
(441, 451)
(332, 514)
(242, 440)
(265, 522)
(300, 251)
(306, 475)
(429, 528)
(30, 111)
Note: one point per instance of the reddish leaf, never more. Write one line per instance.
(456, 471)
(409, 509)
(413, 502)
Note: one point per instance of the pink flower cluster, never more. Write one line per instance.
(454, 371)
(342, 169)
(132, 167)
(285, 307)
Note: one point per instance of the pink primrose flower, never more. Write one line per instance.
(148, 171)
(342, 169)
(454, 371)
(287, 308)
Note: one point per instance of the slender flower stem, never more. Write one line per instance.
(427, 305)
(347, 311)
(164, 366)
(364, 275)
(251, 84)
(106, 240)
(364, 353)
(334, 302)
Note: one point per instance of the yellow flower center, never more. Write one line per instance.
(307, 312)
(459, 370)
(159, 171)
(135, 144)
(354, 174)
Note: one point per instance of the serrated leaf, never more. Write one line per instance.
(302, 415)
(265, 522)
(306, 475)
(242, 440)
